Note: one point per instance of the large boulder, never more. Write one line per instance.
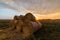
(36, 24)
(21, 27)
(26, 25)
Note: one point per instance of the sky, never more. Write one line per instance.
(43, 9)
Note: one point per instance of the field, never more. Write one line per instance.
(49, 31)
(4, 24)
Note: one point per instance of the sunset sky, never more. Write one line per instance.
(43, 9)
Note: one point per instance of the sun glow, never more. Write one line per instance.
(37, 18)
(48, 16)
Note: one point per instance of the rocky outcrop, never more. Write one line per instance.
(22, 27)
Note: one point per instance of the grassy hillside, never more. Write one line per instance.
(49, 31)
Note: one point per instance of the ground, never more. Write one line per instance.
(49, 31)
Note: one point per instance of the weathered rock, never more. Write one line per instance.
(36, 25)
(21, 27)
(30, 17)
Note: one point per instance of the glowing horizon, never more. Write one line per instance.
(48, 16)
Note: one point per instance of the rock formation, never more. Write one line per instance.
(21, 27)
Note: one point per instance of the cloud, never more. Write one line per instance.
(49, 16)
(43, 6)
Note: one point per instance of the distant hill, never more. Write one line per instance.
(5, 20)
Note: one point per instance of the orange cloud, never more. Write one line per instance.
(48, 16)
